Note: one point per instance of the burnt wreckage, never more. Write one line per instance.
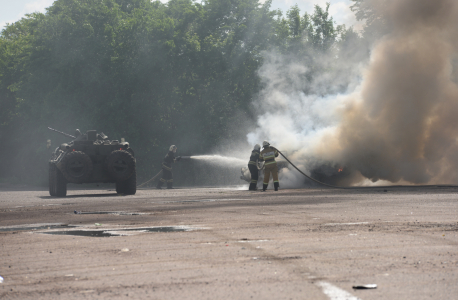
(92, 158)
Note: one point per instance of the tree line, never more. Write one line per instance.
(182, 72)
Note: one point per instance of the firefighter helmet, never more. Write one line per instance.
(257, 147)
(173, 148)
(265, 144)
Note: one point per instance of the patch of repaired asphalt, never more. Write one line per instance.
(106, 232)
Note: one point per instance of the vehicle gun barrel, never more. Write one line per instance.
(66, 134)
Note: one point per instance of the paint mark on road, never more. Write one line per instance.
(335, 293)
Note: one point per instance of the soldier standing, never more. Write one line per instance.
(167, 175)
(253, 167)
(268, 154)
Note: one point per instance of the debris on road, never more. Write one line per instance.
(365, 287)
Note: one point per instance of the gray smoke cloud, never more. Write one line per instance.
(397, 121)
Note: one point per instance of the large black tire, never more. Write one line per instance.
(127, 187)
(52, 180)
(61, 184)
(120, 187)
(57, 182)
(120, 165)
(77, 166)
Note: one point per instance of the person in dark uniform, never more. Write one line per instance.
(253, 167)
(167, 176)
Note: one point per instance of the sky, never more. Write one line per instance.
(14, 10)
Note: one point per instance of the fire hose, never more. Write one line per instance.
(319, 182)
(160, 172)
(152, 179)
(314, 180)
(260, 168)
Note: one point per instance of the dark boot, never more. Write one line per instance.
(252, 187)
(169, 185)
(276, 185)
(264, 187)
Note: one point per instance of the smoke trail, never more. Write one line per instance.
(398, 123)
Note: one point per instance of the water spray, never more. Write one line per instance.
(218, 159)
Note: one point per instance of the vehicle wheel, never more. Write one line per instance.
(131, 184)
(120, 165)
(127, 187)
(76, 166)
(57, 182)
(60, 184)
(120, 187)
(52, 180)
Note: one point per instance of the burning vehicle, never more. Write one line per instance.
(92, 158)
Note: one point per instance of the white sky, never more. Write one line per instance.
(13, 10)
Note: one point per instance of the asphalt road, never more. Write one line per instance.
(215, 243)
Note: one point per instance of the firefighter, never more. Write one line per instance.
(253, 167)
(167, 176)
(268, 155)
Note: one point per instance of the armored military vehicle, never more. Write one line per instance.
(92, 158)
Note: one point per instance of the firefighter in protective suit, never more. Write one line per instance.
(253, 167)
(167, 176)
(268, 155)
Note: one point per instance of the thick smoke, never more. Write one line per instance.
(397, 121)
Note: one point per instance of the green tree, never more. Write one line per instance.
(373, 13)
(182, 72)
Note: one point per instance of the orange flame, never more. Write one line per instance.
(340, 169)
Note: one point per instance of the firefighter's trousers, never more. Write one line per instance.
(167, 177)
(254, 177)
(272, 168)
